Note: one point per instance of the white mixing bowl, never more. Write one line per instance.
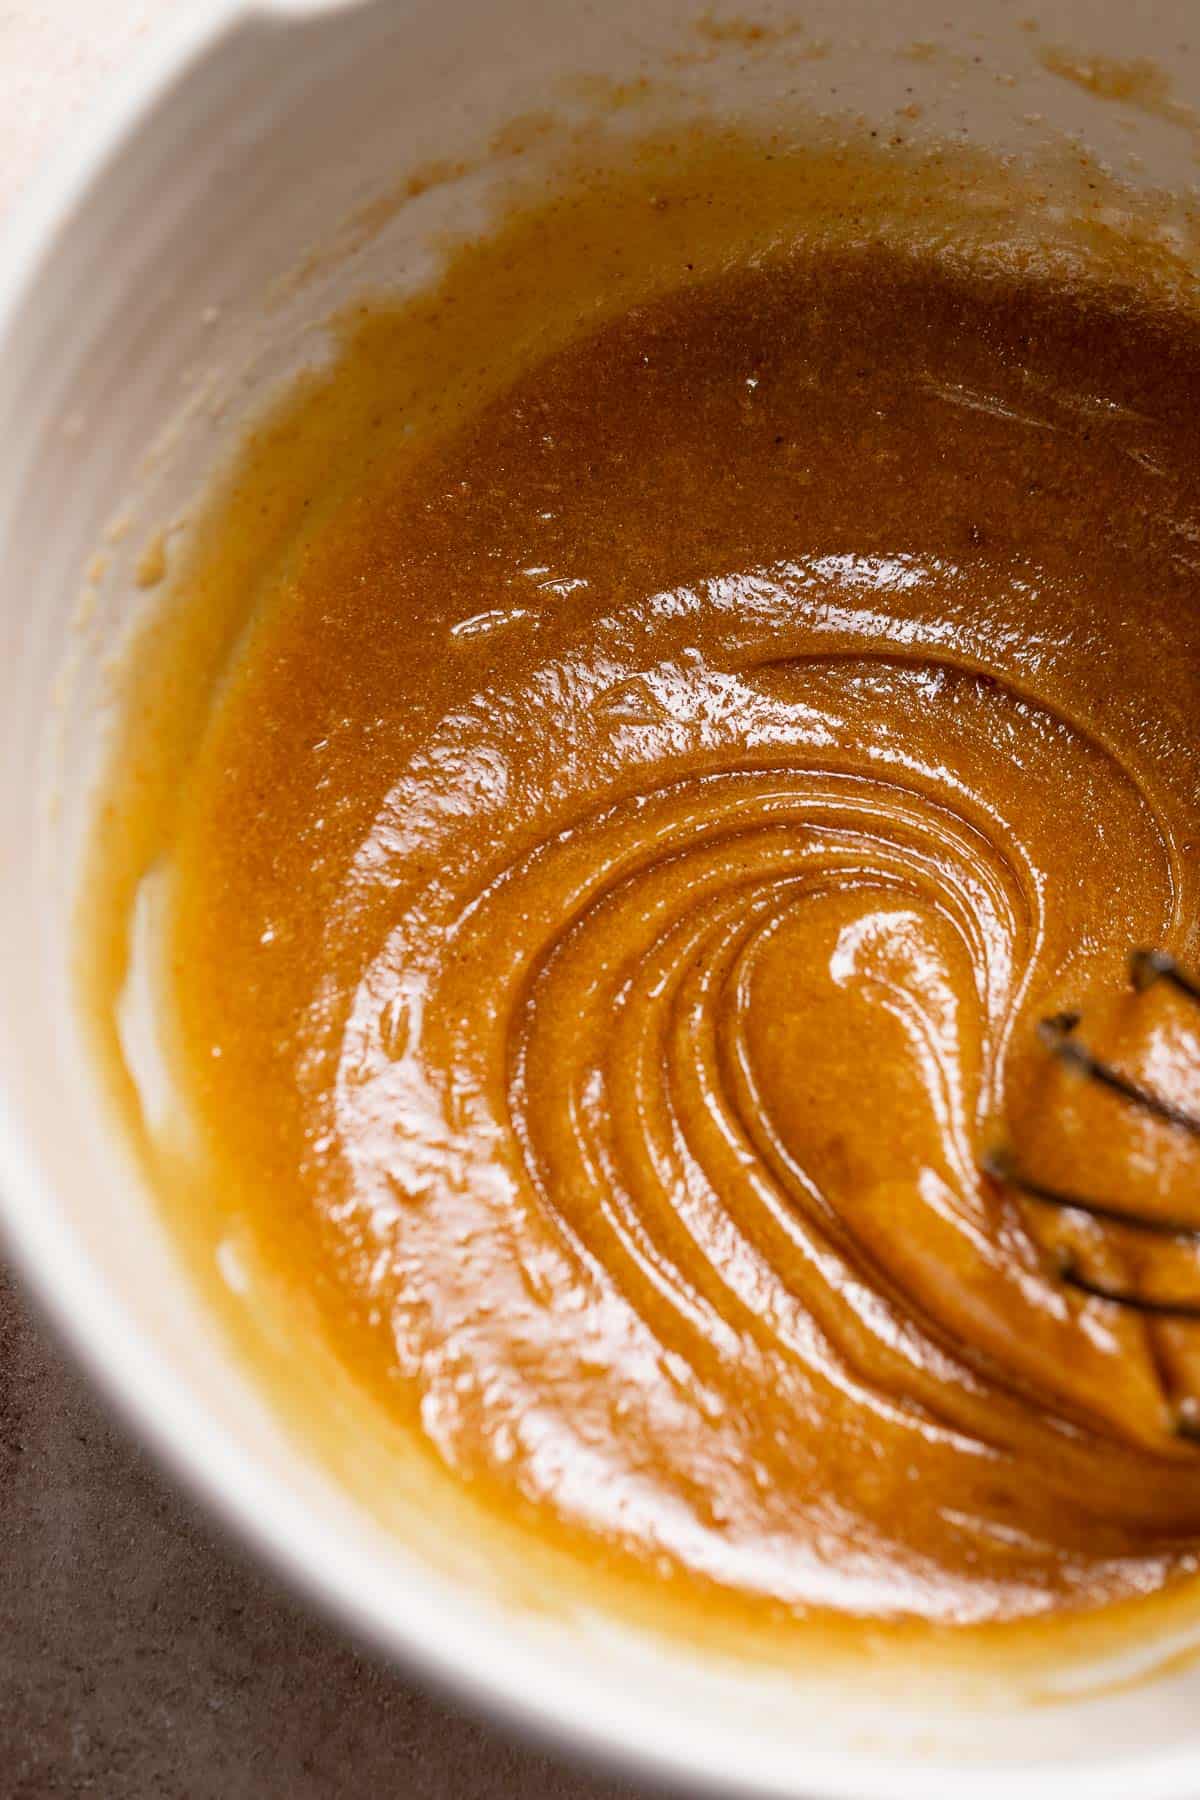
(145, 312)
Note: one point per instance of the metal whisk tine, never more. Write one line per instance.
(1148, 966)
(1164, 1309)
(1058, 1035)
(1001, 1166)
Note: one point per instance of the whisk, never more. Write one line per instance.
(1058, 1035)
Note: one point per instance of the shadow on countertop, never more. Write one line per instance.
(141, 1657)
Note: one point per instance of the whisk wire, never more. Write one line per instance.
(1057, 1033)
(1002, 1167)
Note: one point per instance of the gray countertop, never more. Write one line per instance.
(142, 1655)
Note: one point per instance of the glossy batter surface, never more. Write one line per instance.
(616, 897)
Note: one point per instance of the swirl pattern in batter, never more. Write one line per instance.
(615, 899)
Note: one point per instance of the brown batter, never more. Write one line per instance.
(613, 901)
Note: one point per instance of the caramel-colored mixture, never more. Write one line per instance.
(616, 895)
